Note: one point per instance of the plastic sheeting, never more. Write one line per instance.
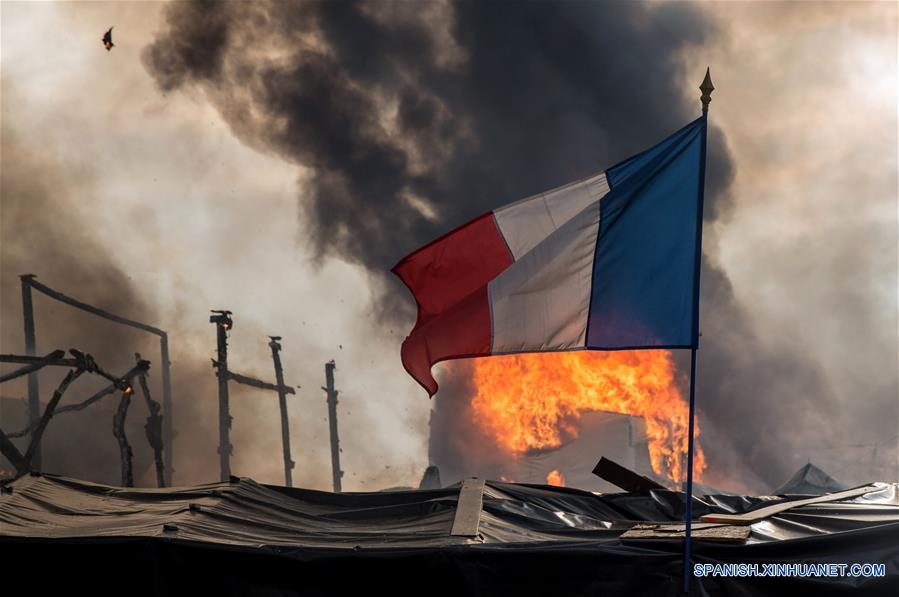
(809, 480)
(244, 538)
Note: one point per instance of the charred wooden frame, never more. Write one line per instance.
(29, 283)
(118, 430)
(81, 363)
(224, 322)
(153, 428)
(623, 477)
(110, 389)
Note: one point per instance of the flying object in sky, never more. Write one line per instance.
(107, 40)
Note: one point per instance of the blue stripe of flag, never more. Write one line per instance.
(643, 290)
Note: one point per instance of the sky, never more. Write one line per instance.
(162, 180)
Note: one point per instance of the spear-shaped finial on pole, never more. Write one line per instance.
(706, 88)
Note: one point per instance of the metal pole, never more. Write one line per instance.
(688, 539)
(223, 323)
(34, 405)
(167, 408)
(706, 87)
(332, 419)
(282, 403)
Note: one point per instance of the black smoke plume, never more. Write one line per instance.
(408, 119)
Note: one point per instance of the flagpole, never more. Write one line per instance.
(706, 87)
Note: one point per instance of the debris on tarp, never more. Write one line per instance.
(622, 477)
(700, 531)
(754, 516)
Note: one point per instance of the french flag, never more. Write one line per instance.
(609, 262)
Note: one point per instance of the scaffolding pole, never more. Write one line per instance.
(223, 323)
(332, 421)
(275, 345)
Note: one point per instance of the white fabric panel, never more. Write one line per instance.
(541, 301)
(527, 222)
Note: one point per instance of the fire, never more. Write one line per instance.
(534, 401)
(555, 478)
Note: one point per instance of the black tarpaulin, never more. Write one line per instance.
(244, 538)
(809, 480)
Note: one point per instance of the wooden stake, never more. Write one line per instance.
(282, 404)
(332, 420)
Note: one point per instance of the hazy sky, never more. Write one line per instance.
(197, 218)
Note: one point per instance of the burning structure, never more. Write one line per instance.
(521, 417)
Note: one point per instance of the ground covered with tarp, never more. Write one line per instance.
(244, 538)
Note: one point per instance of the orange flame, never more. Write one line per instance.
(555, 478)
(534, 400)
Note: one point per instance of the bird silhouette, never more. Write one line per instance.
(107, 40)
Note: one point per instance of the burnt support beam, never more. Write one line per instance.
(142, 366)
(262, 385)
(9, 449)
(275, 345)
(83, 363)
(29, 282)
(34, 405)
(40, 363)
(38, 433)
(332, 422)
(118, 430)
(223, 323)
(154, 428)
(36, 363)
(168, 415)
(622, 477)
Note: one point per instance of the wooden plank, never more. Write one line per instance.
(468, 508)
(39, 361)
(90, 308)
(700, 531)
(12, 453)
(622, 477)
(256, 383)
(35, 363)
(754, 516)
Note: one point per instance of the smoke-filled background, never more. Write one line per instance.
(276, 158)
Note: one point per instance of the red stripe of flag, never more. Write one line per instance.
(448, 279)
